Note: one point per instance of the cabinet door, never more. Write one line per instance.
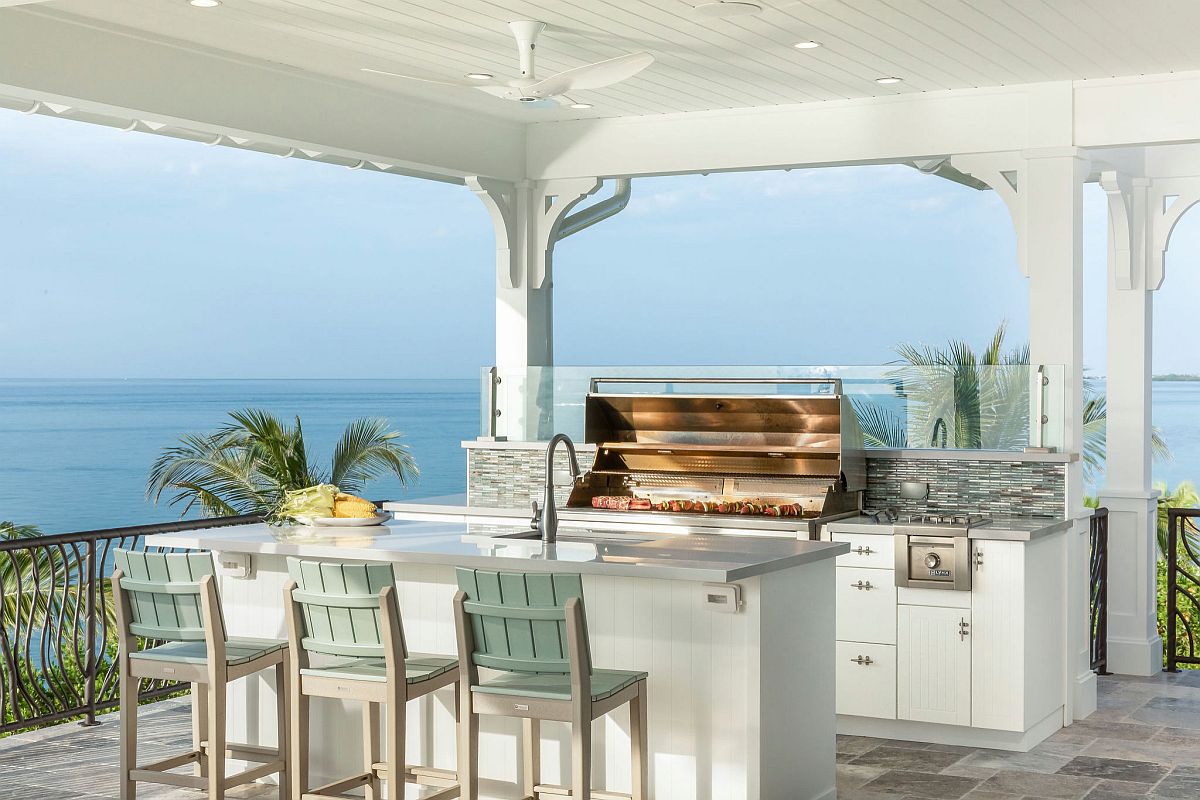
(998, 636)
(933, 664)
(866, 605)
(866, 680)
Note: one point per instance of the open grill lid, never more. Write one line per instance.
(701, 441)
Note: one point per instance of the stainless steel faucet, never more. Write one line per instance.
(545, 519)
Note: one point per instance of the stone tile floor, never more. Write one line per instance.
(1142, 744)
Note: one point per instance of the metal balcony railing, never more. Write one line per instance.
(1183, 587)
(57, 642)
(1098, 594)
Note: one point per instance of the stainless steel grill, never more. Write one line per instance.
(765, 455)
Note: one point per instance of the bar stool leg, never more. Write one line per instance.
(128, 711)
(200, 726)
(216, 741)
(531, 743)
(298, 741)
(581, 758)
(283, 727)
(394, 730)
(468, 750)
(640, 761)
(371, 749)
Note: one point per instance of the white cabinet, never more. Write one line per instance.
(1016, 650)
(866, 605)
(866, 680)
(933, 664)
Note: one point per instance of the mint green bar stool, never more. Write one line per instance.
(347, 617)
(531, 629)
(172, 598)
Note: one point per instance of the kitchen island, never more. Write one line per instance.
(737, 635)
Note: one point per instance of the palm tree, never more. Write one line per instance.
(1183, 496)
(247, 465)
(960, 398)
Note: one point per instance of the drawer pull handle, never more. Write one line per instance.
(863, 586)
(964, 630)
(863, 551)
(863, 661)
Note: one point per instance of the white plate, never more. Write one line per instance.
(352, 522)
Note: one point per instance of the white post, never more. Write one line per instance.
(1134, 272)
(526, 217)
(1051, 189)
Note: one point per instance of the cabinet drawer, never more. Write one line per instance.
(866, 688)
(867, 550)
(866, 605)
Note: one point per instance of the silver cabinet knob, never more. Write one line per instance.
(964, 630)
(863, 586)
(863, 551)
(863, 661)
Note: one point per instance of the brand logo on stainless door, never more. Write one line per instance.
(939, 573)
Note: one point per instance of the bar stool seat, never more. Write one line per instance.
(605, 683)
(417, 668)
(238, 651)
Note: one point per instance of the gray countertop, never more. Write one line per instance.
(631, 551)
(1001, 528)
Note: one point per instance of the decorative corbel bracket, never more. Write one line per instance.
(1123, 228)
(1168, 199)
(1005, 174)
(551, 202)
(500, 198)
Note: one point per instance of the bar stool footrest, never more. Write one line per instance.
(555, 790)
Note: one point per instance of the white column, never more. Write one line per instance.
(1134, 646)
(1051, 189)
(526, 217)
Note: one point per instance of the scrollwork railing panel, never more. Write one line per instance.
(57, 637)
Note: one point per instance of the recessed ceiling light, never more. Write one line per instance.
(807, 45)
(204, 3)
(888, 79)
(479, 76)
(581, 105)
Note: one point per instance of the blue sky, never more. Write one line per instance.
(137, 256)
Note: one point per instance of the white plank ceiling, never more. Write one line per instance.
(700, 64)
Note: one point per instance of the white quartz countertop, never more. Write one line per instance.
(1001, 528)
(746, 525)
(628, 552)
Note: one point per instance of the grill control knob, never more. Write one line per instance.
(932, 560)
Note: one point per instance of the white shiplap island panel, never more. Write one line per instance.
(741, 705)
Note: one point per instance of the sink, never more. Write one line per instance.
(583, 537)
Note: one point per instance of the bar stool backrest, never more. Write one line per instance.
(164, 593)
(340, 607)
(518, 620)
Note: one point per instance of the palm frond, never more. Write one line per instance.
(367, 450)
(881, 428)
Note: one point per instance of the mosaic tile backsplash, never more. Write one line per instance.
(513, 477)
(987, 487)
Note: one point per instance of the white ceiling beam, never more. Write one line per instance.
(814, 134)
(114, 73)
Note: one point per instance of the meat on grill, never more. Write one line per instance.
(699, 506)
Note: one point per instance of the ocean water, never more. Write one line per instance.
(74, 455)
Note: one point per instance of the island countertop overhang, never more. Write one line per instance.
(648, 554)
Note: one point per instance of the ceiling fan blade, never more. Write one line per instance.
(436, 81)
(591, 76)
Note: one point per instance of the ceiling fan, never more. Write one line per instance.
(530, 89)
